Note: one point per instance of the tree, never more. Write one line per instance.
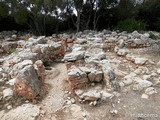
(3, 9)
(149, 12)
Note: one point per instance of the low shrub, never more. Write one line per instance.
(131, 25)
(153, 36)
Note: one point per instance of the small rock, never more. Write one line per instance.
(7, 92)
(150, 90)
(42, 112)
(93, 84)
(91, 103)
(84, 114)
(66, 92)
(158, 64)
(106, 95)
(123, 52)
(11, 82)
(121, 84)
(95, 103)
(79, 92)
(114, 111)
(68, 102)
(73, 100)
(140, 61)
(117, 94)
(139, 41)
(142, 84)
(145, 96)
(9, 107)
(121, 43)
(158, 71)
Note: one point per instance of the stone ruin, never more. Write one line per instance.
(89, 72)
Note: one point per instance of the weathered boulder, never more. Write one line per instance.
(75, 55)
(34, 41)
(139, 41)
(135, 34)
(109, 74)
(19, 66)
(77, 78)
(27, 83)
(93, 94)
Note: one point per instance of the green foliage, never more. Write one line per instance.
(149, 11)
(12, 50)
(131, 25)
(3, 9)
(153, 36)
(46, 63)
(21, 16)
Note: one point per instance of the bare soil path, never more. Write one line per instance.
(55, 85)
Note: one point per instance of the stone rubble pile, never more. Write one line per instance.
(10, 40)
(87, 62)
(23, 72)
(86, 59)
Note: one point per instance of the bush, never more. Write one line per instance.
(153, 36)
(131, 25)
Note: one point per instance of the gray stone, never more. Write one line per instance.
(135, 34)
(123, 52)
(81, 41)
(109, 74)
(140, 61)
(121, 43)
(105, 95)
(100, 56)
(75, 55)
(145, 36)
(139, 41)
(150, 90)
(142, 84)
